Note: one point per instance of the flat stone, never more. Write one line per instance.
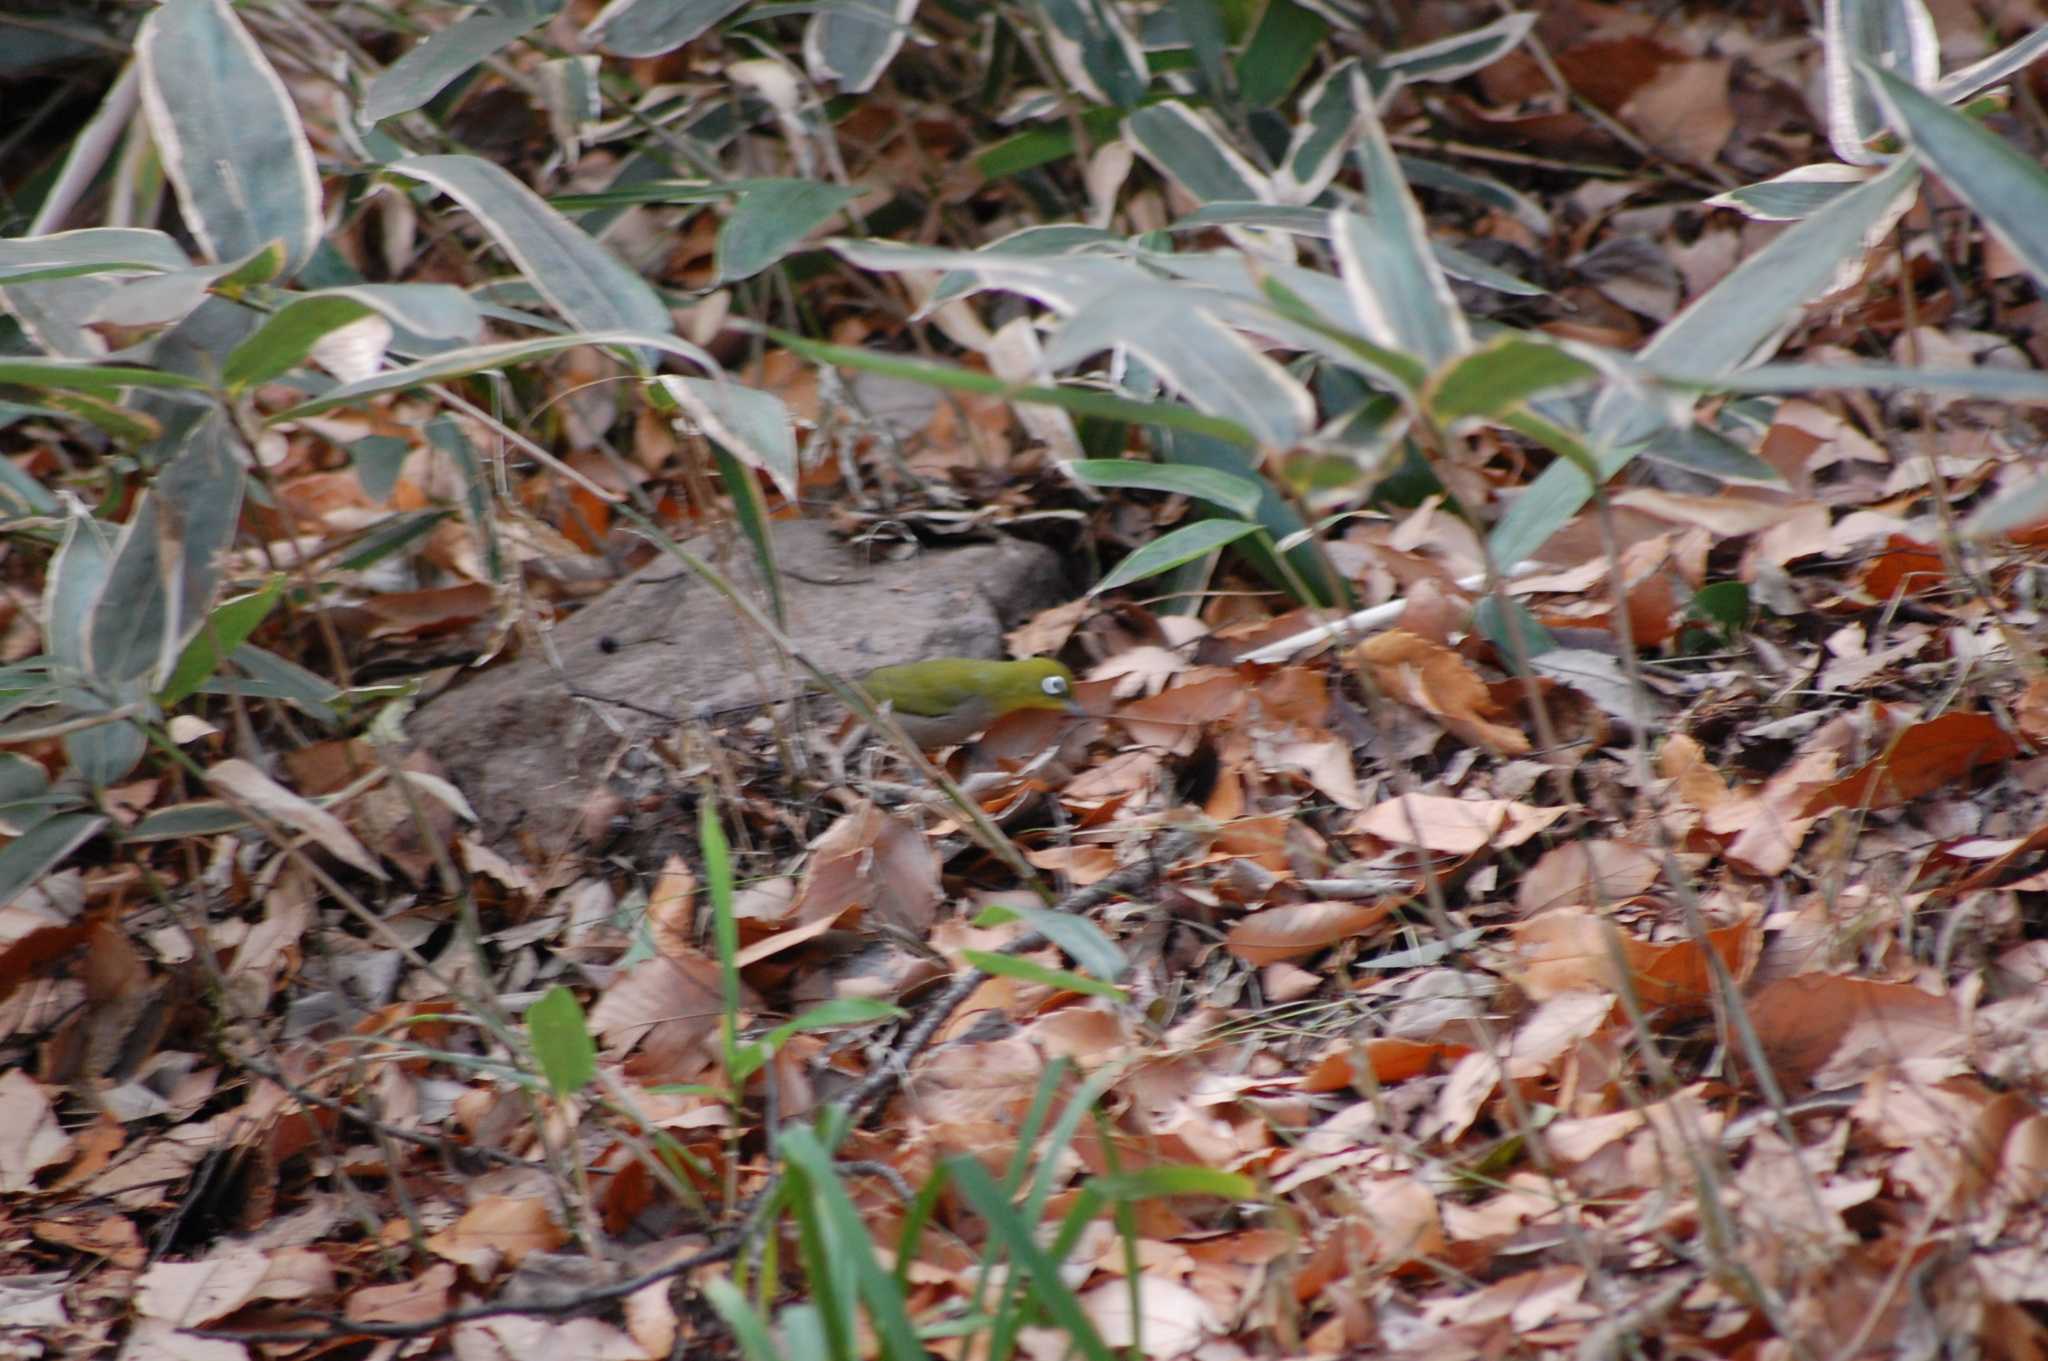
(528, 755)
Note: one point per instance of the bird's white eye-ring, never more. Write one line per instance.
(1056, 686)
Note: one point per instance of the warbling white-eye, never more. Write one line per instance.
(946, 700)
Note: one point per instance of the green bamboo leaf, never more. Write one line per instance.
(1172, 549)
(1234, 494)
(228, 133)
(771, 219)
(1030, 971)
(230, 625)
(1081, 939)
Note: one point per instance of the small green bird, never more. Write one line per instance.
(946, 700)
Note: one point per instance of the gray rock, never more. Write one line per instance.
(529, 756)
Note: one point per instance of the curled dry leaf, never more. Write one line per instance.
(242, 782)
(1436, 680)
(34, 1138)
(1176, 1319)
(1083, 865)
(670, 1002)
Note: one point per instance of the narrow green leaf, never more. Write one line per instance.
(287, 337)
(749, 1329)
(725, 931)
(96, 380)
(90, 250)
(1502, 375)
(479, 359)
(1715, 335)
(231, 624)
(1281, 47)
(427, 67)
(2003, 185)
(574, 272)
(852, 1244)
(850, 42)
(648, 28)
(1081, 401)
(1234, 494)
(199, 818)
(1194, 153)
(1172, 549)
(836, 1012)
(1041, 1271)
(1030, 971)
(753, 424)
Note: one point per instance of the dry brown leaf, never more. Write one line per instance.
(1830, 1030)
(192, 1294)
(1684, 112)
(1044, 634)
(1327, 766)
(1527, 1299)
(875, 863)
(1453, 826)
(2030, 711)
(112, 1238)
(1084, 865)
(1174, 718)
(1597, 873)
(671, 1001)
(1766, 825)
(1441, 683)
(672, 908)
(516, 1338)
(498, 1231)
(244, 784)
(1950, 1131)
(1282, 933)
(423, 1297)
(1175, 1319)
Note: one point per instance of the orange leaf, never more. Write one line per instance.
(500, 1229)
(1442, 684)
(1388, 1057)
(1925, 757)
(1573, 951)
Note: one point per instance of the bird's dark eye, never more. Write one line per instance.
(1054, 685)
